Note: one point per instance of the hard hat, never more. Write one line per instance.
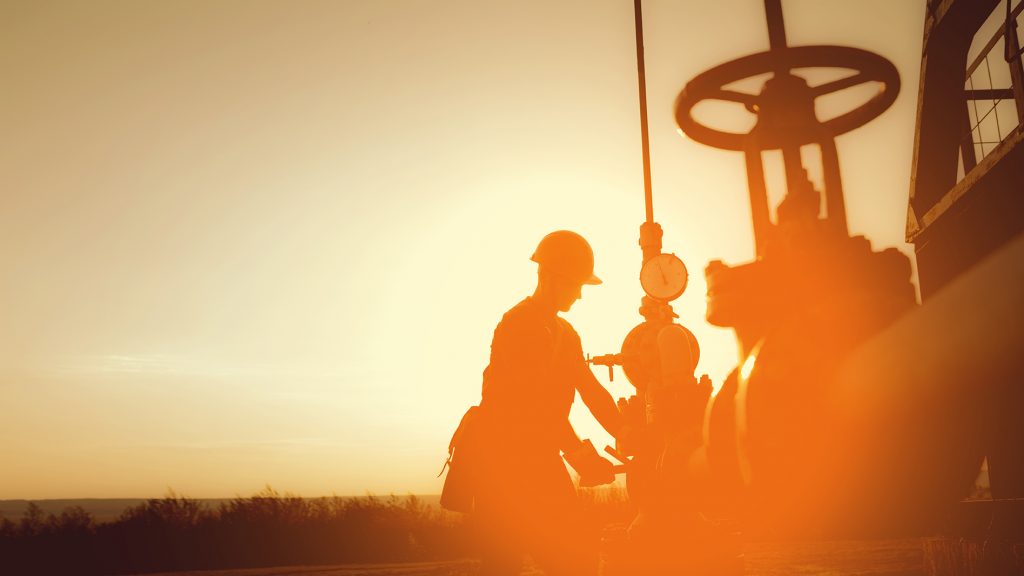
(568, 254)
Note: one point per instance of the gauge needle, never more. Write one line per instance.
(661, 268)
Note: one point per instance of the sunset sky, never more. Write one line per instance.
(249, 242)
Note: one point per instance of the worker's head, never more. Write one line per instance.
(566, 263)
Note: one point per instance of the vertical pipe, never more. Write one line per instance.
(645, 144)
(795, 175)
(758, 196)
(776, 33)
(835, 204)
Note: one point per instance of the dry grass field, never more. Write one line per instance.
(845, 558)
(457, 568)
(842, 558)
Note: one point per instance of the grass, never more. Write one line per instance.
(266, 529)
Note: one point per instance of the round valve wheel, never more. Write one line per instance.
(710, 85)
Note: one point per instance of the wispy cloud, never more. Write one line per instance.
(248, 446)
(176, 366)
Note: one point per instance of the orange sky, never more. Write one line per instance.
(249, 242)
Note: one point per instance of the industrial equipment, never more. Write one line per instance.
(659, 357)
(844, 416)
(854, 411)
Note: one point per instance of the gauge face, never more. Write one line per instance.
(664, 277)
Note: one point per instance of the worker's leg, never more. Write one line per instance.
(560, 540)
(566, 547)
(499, 561)
(500, 530)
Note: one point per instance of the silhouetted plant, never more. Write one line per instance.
(268, 528)
(33, 523)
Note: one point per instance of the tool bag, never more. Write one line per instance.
(463, 464)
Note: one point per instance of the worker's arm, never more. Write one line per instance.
(600, 402)
(569, 441)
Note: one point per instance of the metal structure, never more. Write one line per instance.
(970, 164)
(854, 411)
(780, 444)
(967, 194)
(966, 212)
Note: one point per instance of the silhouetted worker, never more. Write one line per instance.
(526, 501)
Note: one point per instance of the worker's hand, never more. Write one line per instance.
(592, 468)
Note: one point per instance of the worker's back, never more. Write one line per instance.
(528, 385)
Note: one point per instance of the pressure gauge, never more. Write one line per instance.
(664, 277)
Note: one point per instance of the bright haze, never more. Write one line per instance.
(249, 242)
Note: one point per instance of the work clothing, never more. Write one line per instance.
(526, 501)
